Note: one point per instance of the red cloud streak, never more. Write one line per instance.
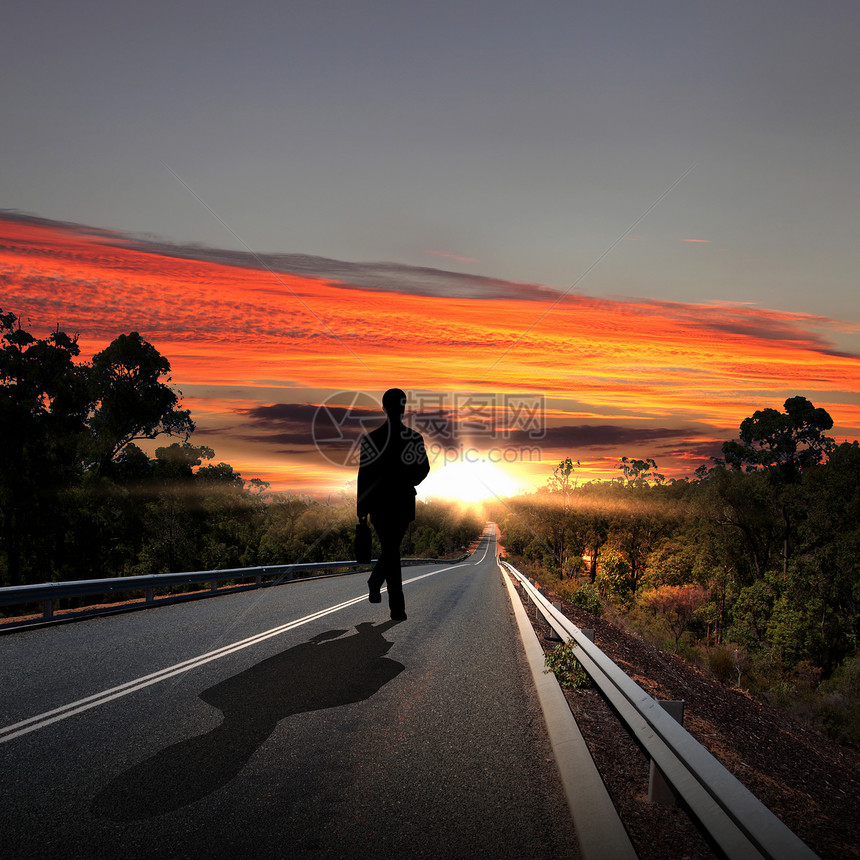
(266, 337)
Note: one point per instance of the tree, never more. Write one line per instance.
(44, 402)
(825, 568)
(671, 561)
(789, 441)
(785, 445)
(561, 482)
(595, 513)
(134, 401)
(556, 516)
(613, 576)
(676, 605)
(738, 505)
(596, 535)
(750, 614)
(639, 473)
(176, 462)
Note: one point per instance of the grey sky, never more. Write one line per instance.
(521, 139)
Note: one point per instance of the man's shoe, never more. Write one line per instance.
(398, 616)
(374, 596)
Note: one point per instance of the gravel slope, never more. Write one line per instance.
(811, 783)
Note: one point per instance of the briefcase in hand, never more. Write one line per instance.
(362, 543)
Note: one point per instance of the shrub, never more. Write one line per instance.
(613, 577)
(562, 661)
(838, 709)
(587, 598)
(721, 663)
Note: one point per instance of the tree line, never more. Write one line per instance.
(80, 499)
(751, 567)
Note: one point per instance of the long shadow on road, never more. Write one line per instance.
(327, 671)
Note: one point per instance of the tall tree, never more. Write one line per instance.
(785, 445)
(133, 399)
(789, 441)
(643, 515)
(565, 533)
(44, 402)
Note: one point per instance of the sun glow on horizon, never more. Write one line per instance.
(469, 481)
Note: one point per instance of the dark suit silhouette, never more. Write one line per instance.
(393, 461)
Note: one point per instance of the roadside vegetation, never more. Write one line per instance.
(749, 569)
(80, 499)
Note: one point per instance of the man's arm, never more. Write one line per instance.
(419, 468)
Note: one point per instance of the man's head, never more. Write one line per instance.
(394, 403)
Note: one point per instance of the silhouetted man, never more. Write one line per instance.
(393, 461)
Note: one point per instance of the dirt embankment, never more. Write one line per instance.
(810, 782)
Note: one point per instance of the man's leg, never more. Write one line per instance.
(378, 574)
(387, 568)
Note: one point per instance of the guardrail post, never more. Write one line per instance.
(659, 791)
(213, 586)
(588, 633)
(149, 595)
(48, 608)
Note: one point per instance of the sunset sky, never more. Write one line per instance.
(585, 230)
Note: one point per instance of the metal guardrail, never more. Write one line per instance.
(736, 821)
(47, 592)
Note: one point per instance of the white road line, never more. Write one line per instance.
(16, 730)
(486, 550)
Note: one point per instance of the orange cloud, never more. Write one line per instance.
(238, 336)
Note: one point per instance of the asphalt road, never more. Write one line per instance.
(303, 724)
